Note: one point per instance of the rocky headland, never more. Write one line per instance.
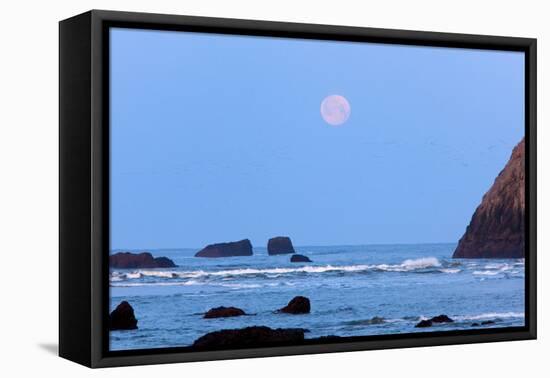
(497, 228)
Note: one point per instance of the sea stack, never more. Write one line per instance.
(122, 317)
(497, 228)
(238, 248)
(298, 305)
(280, 245)
(128, 260)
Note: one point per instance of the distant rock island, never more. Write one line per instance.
(127, 260)
(497, 228)
(238, 248)
(280, 245)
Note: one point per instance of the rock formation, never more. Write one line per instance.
(436, 319)
(249, 337)
(279, 245)
(127, 260)
(238, 248)
(298, 305)
(223, 312)
(497, 228)
(122, 317)
(299, 258)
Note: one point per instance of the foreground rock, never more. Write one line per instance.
(497, 228)
(249, 337)
(238, 248)
(436, 319)
(223, 312)
(298, 305)
(122, 317)
(299, 258)
(280, 245)
(127, 260)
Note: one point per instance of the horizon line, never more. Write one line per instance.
(265, 246)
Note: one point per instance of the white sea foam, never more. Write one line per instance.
(486, 272)
(405, 266)
(449, 271)
(425, 262)
(491, 315)
(140, 284)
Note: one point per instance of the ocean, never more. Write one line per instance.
(354, 291)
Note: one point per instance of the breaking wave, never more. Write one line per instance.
(164, 277)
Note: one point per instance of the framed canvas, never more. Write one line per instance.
(236, 188)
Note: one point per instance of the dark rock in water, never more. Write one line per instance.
(475, 325)
(424, 324)
(238, 248)
(377, 320)
(122, 317)
(127, 260)
(279, 245)
(299, 258)
(366, 322)
(436, 319)
(223, 312)
(497, 228)
(298, 305)
(488, 322)
(441, 319)
(249, 337)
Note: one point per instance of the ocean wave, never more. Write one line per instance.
(491, 315)
(140, 284)
(485, 273)
(406, 266)
(450, 271)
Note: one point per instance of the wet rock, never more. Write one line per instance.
(223, 312)
(299, 258)
(128, 260)
(298, 305)
(377, 320)
(280, 245)
(230, 249)
(249, 337)
(497, 228)
(122, 317)
(436, 319)
(424, 323)
(441, 319)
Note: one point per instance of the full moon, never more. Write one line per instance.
(335, 110)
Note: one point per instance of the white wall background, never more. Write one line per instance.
(29, 185)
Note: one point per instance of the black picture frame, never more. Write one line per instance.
(84, 183)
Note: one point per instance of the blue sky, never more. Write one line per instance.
(218, 138)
